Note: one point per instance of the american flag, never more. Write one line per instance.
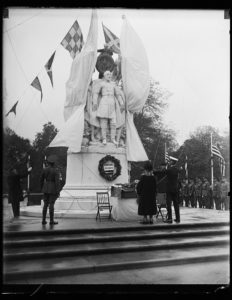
(73, 41)
(112, 41)
(215, 151)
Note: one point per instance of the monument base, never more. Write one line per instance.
(83, 179)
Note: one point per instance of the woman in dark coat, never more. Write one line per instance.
(146, 190)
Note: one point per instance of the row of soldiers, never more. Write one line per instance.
(199, 193)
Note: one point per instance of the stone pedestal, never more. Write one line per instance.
(83, 179)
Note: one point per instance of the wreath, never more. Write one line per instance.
(110, 176)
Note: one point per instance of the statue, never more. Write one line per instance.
(108, 107)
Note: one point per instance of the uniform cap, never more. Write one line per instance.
(52, 159)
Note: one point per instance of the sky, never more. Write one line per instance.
(188, 53)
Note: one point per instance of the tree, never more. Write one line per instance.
(198, 152)
(15, 153)
(40, 150)
(150, 127)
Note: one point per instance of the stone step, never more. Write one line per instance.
(54, 267)
(44, 252)
(66, 239)
(112, 228)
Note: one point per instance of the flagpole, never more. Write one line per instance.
(211, 157)
(28, 176)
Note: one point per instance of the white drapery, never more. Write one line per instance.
(136, 86)
(71, 134)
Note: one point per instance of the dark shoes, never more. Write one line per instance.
(168, 221)
(53, 223)
(177, 221)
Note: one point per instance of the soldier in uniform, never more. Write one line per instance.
(225, 194)
(205, 193)
(191, 193)
(198, 192)
(217, 194)
(50, 186)
(185, 193)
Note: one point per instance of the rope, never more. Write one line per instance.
(13, 27)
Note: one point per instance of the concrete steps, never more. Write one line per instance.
(59, 252)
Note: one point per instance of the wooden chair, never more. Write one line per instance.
(161, 204)
(103, 204)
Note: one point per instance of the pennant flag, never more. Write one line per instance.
(112, 41)
(36, 84)
(48, 67)
(73, 41)
(13, 109)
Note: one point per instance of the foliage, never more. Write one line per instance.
(15, 153)
(197, 149)
(41, 150)
(151, 129)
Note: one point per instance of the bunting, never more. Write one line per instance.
(48, 67)
(36, 84)
(112, 41)
(13, 109)
(73, 41)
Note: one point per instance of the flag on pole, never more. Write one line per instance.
(215, 151)
(73, 41)
(112, 41)
(48, 67)
(36, 84)
(13, 109)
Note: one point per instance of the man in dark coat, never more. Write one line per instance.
(50, 186)
(172, 173)
(15, 189)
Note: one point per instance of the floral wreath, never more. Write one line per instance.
(109, 177)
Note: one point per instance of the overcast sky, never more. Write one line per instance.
(188, 53)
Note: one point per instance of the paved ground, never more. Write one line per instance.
(188, 215)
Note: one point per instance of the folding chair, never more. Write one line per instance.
(161, 203)
(103, 204)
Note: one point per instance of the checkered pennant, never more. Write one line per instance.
(73, 41)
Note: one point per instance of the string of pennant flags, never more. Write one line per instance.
(73, 43)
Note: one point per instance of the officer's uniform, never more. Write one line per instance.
(191, 194)
(198, 193)
(50, 186)
(217, 195)
(205, 194)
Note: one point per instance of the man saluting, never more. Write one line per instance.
(172, 173)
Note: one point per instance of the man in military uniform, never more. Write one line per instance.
(172, 173)
(217, 194)
(198, 192)
(225, 194)
(205, 193)
(50, 186)
(191, 193)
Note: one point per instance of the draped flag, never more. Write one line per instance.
(111, 40)
(48, 67)
(215, 151)
(136, 86)
(13, 109)
(71, 134)
(73, 41)
(36, 84)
